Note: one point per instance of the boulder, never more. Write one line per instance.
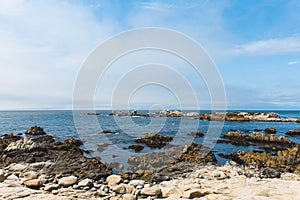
(35, 130)
(34, 183)
(113, 180)
(151, 191)
(67, 181)
(85, 182)
(271, 130)
(154, 140)
(136, 147)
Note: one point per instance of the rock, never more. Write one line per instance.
(51, 187)
(122, 188)
(19, 167)
(107, 131)
(85, 182)
(154, 140)
(195, 193)
(73, 141)
(24, 144)
(191, 114)
(35, 130)
(136, 147)
(151, 191)
(197, 134)
(129, 197)
(298, 120)
(271, 130)
(54, 192)
(135, 183)
(30, 175)
(113, 180)
(3, 175)
(67, 181)
(293, 132)
(34, 183)
(12, 177)
(68, 156)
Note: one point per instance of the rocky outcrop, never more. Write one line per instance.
(244, 117)
(35, 130)
(65, 158)
(293, 132)
(155, 165)
(242, 139)
(285, 160)
(154, 140)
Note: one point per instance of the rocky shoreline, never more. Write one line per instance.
(214, 116)
(40, 167)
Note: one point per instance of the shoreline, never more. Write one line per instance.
(43, 168)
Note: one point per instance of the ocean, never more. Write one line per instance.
(114, 147)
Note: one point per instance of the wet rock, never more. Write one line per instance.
(107, 131)
(136, 147)
(196, 134)
(154, 140)
(35, 130)
(271, 130)
(298, 120)
(34, 183)
(67, 181)
(113, 180)
(293, 132)
(151, 191)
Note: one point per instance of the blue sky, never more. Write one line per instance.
(254, 44)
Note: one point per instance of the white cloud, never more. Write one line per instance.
(270, 46)
(293, 62)
(43, 44)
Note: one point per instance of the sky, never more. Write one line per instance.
(255, 46)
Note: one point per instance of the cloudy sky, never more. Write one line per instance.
(255, 46)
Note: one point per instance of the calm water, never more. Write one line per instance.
(61, 125)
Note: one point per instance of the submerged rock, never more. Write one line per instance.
(196, 134)
(136, 147)
(154, 140)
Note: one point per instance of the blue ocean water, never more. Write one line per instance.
(60, 123)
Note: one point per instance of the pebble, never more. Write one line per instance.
(34, 183)
(51, 187)
(85, 182)
(151, 191)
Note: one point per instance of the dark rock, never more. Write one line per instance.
(298, 120)
(270, 173)
(196, 134)
(91, 113)
(154, 140)
(159, 166)
(136, 147)
(271, 130)
(35, 130)
(107, 131)
(257, 130)
(66, 157)
(293, 132)
(283, 161)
